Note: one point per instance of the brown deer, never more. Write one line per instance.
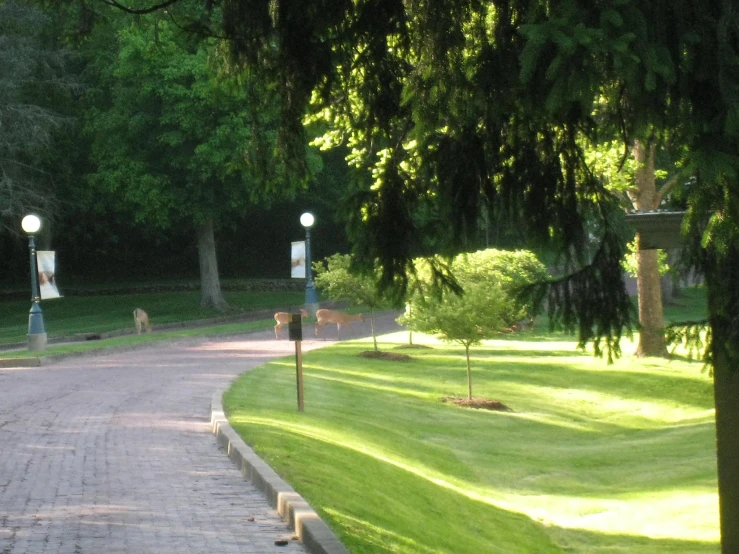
(140, 317)
(283, 318)
(340, 318)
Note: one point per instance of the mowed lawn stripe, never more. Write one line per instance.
(594, 458)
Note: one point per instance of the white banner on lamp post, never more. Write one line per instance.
(46, 262)
(297, 260)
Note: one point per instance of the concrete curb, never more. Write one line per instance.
(20, 362)
(315, 535)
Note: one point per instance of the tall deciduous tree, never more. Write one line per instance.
(646, 196)
(634, 173)
(174, 140)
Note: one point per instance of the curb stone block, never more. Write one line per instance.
(316, 536)
(20, 362)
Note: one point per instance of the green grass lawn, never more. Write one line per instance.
(105, 313)
(593, 459)
(144, 338)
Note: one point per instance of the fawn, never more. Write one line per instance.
(282, 319)
(340, 318)
(140, 317)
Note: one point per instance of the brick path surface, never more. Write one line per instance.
(113, 453)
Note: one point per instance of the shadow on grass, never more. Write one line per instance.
(696, 357)
(579, 540)
(518, 353)
(489, 368)
(642, 386)
(562, 455)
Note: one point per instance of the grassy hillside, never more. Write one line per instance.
(101, 313)
(592, 459)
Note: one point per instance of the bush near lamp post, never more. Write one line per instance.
(335, 279)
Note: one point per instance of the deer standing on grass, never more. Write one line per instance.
(140, 317)
(283, 318)
(340, 318)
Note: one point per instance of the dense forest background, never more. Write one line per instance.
(59, 84)
(108, 247)
(92, 142)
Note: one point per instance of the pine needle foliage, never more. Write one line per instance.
(452, 106)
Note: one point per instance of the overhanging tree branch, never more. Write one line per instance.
(142, 11)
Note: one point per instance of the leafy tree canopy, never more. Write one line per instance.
(513, 271)
(173, 138)
(451, 105)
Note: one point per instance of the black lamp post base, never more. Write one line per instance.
(36, 328)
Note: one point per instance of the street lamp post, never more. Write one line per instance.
(36, 329)
(311, 298)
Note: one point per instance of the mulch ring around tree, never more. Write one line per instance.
(390, 356)
(479, 403)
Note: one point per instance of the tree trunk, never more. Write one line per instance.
(210, 284)
(651, 315)
(726, 395)
(722, 292)
(469, 372)
(372, 325)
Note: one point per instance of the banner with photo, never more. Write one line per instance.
(46, 262)
(297, 260)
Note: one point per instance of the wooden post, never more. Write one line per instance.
(295, 331)
(299, 373)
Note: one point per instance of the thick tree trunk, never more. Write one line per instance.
(210, 284)
(651, 315)
(723, 290)
(726, 394)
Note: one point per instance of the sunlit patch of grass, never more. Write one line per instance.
(594, 458)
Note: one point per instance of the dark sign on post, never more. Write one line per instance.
(294, 327)
(295, 333)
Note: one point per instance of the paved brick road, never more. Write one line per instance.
(112, 453)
